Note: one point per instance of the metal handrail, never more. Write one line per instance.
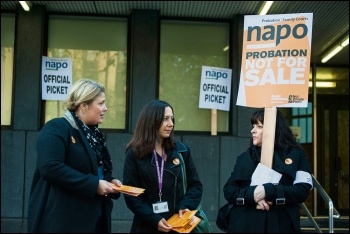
(312, 220)
(333, 213)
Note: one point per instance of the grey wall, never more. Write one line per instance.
(214, 156)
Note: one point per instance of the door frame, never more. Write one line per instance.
(328, 170)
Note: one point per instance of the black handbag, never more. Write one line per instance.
(223, 218)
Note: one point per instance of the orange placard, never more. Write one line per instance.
(276, 54)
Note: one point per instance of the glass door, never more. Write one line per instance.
(334, 149)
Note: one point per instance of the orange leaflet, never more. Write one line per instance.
(186, 223)
(134, 191)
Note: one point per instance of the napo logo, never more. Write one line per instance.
(55, 65)
(215, 75)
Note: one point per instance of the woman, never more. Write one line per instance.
(152, 162)
(269, 207)
(71, 190)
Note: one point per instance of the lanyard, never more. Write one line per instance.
(159, 172)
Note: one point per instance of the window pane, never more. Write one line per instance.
(302, 111)
(302, 117)
(304, 129)
(98, 48)
(185, 48)
(309, 130)
(295, 122)
(295, 111)
(309, 109)
(7, 52)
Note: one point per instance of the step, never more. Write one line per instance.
(340, 225)
(324, 230)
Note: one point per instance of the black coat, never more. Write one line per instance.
(143, 173)
(280, 218)
(63, 196)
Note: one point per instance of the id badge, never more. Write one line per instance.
(160, 207)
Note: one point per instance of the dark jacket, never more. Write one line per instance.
(143, 173)
(63, 194)
(245, 218)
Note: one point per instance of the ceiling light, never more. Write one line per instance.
(323, 84)
(345, 42)
(265, 8)
(324, 76)
(331, 54)
(335, 50)
(25, 5)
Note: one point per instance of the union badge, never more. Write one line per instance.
(288, 161)
(176, 161)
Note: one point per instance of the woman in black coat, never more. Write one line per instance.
(152, 162)
(270, 207)
(71, 190)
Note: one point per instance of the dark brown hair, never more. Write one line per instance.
(147, 128)
(283, 134)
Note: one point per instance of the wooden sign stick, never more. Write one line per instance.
(268, 139)
(213, 122)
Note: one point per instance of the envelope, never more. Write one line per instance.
(186, 223)
(130, 190)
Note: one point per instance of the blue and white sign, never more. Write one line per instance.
(215, 89)
(56, 78)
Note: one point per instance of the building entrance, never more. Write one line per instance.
(333, 145)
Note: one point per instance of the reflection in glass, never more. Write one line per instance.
(7, 56)
(185, 48)
(98, 51)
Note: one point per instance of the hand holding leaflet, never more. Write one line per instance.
(264, 174)
(134, 191)
(186, 223)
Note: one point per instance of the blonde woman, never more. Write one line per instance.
(70, 190)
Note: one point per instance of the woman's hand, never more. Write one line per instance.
(259, 193)
(181, 212)
(117, 182)
(163, 226)
(104, 188)
(264, 205)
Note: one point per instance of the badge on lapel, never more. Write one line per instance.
(288, 161)
(176, 161)
(73, 140)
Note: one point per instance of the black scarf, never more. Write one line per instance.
(97, 142)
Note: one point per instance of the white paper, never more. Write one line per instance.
(264, 174)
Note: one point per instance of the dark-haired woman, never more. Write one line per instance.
(269, 207)
(152, 162)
